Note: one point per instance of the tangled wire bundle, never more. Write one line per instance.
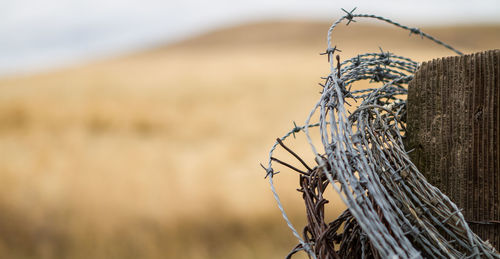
(393, 212)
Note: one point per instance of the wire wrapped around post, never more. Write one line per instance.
(392, 211)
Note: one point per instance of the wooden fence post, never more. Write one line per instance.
(453, 124)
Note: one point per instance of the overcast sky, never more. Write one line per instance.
(40, 34)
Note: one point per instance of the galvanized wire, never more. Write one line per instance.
(393, 212)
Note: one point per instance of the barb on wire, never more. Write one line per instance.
(349, 16)
(330, 51)
(416, 31)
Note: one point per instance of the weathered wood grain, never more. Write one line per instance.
(453, 124)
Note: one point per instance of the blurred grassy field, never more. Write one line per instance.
(156, 154)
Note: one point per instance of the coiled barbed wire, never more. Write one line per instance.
(393, 212)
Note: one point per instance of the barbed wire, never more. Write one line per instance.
(393, 212)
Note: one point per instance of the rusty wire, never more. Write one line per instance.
(393, 212)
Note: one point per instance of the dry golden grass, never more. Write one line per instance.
(155, 155)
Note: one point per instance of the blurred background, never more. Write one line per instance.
(135, 129)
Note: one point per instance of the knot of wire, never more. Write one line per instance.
(392, 211)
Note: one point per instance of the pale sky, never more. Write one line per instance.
(40, 34)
